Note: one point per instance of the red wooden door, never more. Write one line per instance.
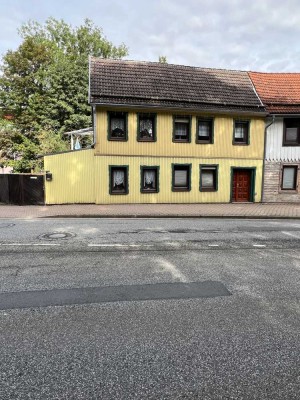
(241, 185)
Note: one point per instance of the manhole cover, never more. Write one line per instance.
(57, 235)
(6, 225)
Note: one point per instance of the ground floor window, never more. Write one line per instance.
(149, 179)
(289, 177)
(208, 178)
(181, 177)
(118, 179)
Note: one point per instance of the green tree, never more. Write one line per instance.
(44, 83)
(162, 59)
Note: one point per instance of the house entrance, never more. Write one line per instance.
(242, 184)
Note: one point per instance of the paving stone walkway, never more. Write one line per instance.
(237, 210)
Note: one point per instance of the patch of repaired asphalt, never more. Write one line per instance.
(104, 294)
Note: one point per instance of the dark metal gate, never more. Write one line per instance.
(22, 189)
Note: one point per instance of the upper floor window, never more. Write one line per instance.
(204, 130)
(182, 129)
(291, 132)
(117, 126)
(146, 127)
(241, 132)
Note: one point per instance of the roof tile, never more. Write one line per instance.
(132, 82)
(279, 92)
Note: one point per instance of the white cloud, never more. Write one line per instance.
(234, 34)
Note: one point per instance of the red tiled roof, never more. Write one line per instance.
(279, 92)
(153, 84)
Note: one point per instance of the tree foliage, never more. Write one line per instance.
(44, 83)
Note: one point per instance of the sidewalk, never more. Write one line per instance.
(236, 210)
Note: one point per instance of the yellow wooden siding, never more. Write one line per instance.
(73, 177)
(222, 146)
(165, 194)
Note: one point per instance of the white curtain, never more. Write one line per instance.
(207, 179)
(149, 178)
(203, 129)
(119, 178)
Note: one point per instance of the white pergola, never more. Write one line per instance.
(79, 133)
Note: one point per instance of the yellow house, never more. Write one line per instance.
(165, 134)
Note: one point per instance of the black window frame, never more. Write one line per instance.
(187, 167)
(245, 141)
(291, 123)
(112, 169)
(117, 114)
(144, 168)
(151, 116)
(215, 169)
(210, 140)
(176, 120)
(296, 168)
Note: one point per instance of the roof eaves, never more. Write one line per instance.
(260, 112)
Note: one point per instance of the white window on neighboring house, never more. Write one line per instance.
(289, 177)
(291, 132)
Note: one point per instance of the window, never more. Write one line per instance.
(289, 177)
(291, 132)
(204, 130)
(181, 178)
(208, 178)
(149, 179)
(146, 127)
(118, 180)
(241, 132)
(181, 130)
(117, 126)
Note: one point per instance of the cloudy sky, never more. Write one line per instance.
(257, 35)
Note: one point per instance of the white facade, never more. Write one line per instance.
(275, 151)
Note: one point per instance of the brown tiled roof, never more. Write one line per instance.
(279, 92)
(119, 82)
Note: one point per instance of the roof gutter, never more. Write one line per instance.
(264, 159)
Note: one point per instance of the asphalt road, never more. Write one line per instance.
(149, 309)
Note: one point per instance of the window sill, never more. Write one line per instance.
(181, 189)
(204, 142)
(290, 191)
(117, 139)
(145, 140)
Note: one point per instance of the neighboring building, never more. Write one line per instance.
(165, 134)
(280, 94)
